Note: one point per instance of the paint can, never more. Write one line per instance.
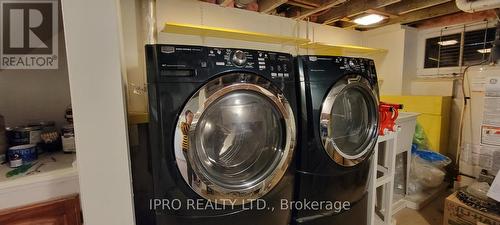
(50, 139)
(68, 138)
(25, 135)
(25, 153)
(44, 125)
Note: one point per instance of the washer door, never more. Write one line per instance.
(235, 138)
(349, 121)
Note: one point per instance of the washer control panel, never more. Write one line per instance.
(276, 65)
(186, 63)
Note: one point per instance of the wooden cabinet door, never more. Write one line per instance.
(64, 211)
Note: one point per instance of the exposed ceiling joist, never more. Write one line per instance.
(407, 6)
(226, 2)
(456, 18)
(266, 6)
(341, 13)
(353, 8)
(310, 2)
(427, 13)
(325, 6)
(302, 4)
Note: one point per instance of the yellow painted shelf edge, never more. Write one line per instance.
(191, 29)
(318, 47)
(340, 49)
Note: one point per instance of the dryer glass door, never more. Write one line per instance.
(237, 138)
(349, 120)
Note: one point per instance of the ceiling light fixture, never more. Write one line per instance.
(369, 19)
(484, 51)
(449, 42)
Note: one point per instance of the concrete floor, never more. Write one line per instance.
(432, 214)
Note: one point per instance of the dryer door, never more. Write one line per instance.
(349, 120)
(235, 138)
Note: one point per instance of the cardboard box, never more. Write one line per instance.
(457, 213)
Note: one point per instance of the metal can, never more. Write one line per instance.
(25, 135)
(68, 130)
(68, 138)
(44, 125)
(50, 139)
(27, 153)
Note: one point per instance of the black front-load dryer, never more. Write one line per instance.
(339, 122)
(222, 135)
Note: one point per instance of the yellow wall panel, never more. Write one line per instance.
(434, 116)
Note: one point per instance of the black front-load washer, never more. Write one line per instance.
(222, 133)
(339, 122)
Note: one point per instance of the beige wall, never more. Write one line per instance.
(35, 95)
(396, 67)
(201, 13)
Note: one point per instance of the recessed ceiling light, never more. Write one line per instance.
(484, 51)
(449, 42)
(369, 19)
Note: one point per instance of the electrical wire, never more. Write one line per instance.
(466, 97)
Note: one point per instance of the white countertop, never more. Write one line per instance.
(57, 177)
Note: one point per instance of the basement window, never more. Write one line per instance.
(459, 49)
(442, 51)
(477, 46)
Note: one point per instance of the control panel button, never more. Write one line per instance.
(239, 58)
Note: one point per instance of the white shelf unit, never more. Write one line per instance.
(382, 179)
(57, 177)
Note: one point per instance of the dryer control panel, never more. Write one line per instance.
(320, 67)
(357, 65)
(194, 63)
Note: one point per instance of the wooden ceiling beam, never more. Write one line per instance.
(310, 2)
(267, 6)
(456, 18)
(427, 13)
(407, 6)
(301, 4)
(325, 6)
(226, 3)
(353, 8)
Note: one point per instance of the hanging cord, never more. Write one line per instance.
(466, 97)
(439, 50)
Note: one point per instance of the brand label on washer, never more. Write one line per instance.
(167, 49)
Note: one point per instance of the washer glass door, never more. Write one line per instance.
(237, 135)
(349, 120)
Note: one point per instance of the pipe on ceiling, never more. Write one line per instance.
(476, 6)
(243, 3)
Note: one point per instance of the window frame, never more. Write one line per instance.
(443, 31)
